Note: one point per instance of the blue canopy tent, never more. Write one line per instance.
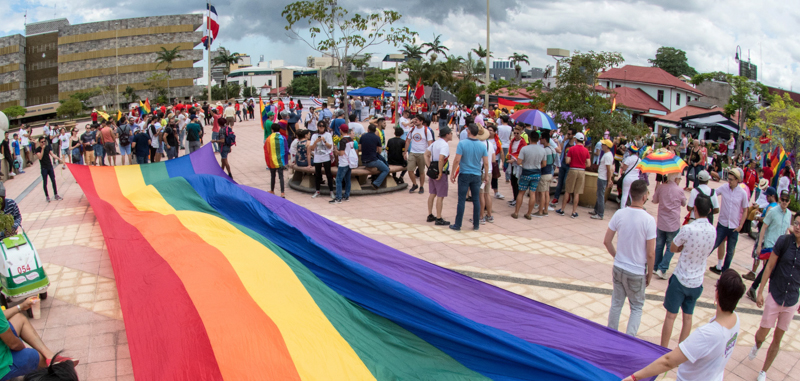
(368, 92)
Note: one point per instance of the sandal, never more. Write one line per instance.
(514, 216)
(527, 217)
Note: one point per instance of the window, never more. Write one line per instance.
(661, 96)
(608, 84)
(617, 86)
(269, 83)
(677, 99)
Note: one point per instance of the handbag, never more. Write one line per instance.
(495, 170)
(621, 178)
(433, 170)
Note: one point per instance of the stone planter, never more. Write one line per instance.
(589, 196)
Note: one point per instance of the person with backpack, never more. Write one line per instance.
(276, 156)
(733, 215)
(124, 133)
(417, 141)
(702, 190)
(348, 159)
(225, 139)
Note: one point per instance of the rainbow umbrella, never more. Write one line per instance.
(536, 118)
(662, 163)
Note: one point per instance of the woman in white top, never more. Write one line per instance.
(321, 145)
(783, 182)
(64, 138)
(310, 119)
(631, 174)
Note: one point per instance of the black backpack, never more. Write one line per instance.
(700, 194)
(124, 135)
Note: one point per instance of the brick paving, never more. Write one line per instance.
(565, 255)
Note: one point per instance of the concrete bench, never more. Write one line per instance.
(303, 180)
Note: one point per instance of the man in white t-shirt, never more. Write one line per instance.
(417, 142)
(605, 167)
(405, 124)
(438, 155)
(356, 128)
(704, 354)
(702, 180)
(504, 132)
(634, 256)
(694, 241)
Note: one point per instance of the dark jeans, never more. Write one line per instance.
(471, 183)
(153, 154)
(318, 175)
(732, 236)
(343, 182)
(562, 178)
(663, 253)
(49, 172)
(381, 166)
(272, 172)
(515, 186)
(695, 169)
(141, 159)
(600, 205)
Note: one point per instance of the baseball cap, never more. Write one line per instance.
(344, 128)
(444, 131)
(579, 136)
(703, 176)
(771, 191)
(607, 143)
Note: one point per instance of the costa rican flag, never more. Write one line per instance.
(316, 101)
(212, 26)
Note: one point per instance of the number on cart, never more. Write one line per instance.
(23, 269)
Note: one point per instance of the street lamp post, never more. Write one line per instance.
(486, 100)
(396, 58)
(116, 53)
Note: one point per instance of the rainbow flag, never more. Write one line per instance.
(147, 105)
(777, 162)
(253, 287)
(510, 103)
(263, 113)
(275, 152)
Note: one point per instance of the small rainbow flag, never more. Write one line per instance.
(255, 287)
(147, 105)
(275, 152)
(263, 113)
(777, 163)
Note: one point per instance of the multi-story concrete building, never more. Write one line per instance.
(55, 59)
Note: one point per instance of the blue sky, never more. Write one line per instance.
(707, 30)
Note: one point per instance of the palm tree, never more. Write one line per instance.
(225, 59)
(435, 47)
(516, 58)
(481, 52)
(412, 51)
(166, 57)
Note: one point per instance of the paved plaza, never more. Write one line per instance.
(556, 260)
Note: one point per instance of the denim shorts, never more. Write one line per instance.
(681, 297)
(224, 151)
(125, 150)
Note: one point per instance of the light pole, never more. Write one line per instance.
(116, 53)
(486, 101)
(396, 58)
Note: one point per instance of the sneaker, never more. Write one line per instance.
(559, 212)
(48, 198)
(441, 222)
(421, 190)
(596, 217)
(537, 215)
(715, 270)
(751, 294)
(413, 188)
(499, 196)
(762, 376)
(335, 201)
(59, 198)
(21, 171)
(753, 353)
(514, 216)
(592, 213)
(490, 219)
(574, 215)
(751, 276)
(453, 227)
(346, 199)
(375, 187)
(512, 203)
(482, 221)
(661, 274)
(431, 218)
(316, 194)
(527, 217)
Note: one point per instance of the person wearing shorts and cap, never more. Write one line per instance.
(438, 187)
(781, 303)
(578, 159)
(732, 216)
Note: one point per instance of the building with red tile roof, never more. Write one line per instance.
(636, 100)
(666, 89)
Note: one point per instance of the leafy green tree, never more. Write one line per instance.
(435, 47)
(714, 75)
(69, 107)
(481, 52)
(361, 64)
(781, 121)
(155, 83)
(379, 78)
(673, 61)
(412, 51)
(745, 100)
(306, 85)
(249, 92)
(84, 96)
(225, 59)
(515, 59)
(130, 94)
(166, 57)
(341, 35)
(15, 112)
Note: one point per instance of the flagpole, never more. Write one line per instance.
(208, 51)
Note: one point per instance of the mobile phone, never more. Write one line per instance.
(483, 185)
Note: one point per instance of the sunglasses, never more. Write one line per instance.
(784, 200)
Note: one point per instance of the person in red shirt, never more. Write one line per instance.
(377, 106)
(215, 115)
(237, 107)
(768, 174)
(750, 177)
(281, 106)
(292, 105)
(164, 109)
(94, 116)
(424, 106)
(577, 159)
